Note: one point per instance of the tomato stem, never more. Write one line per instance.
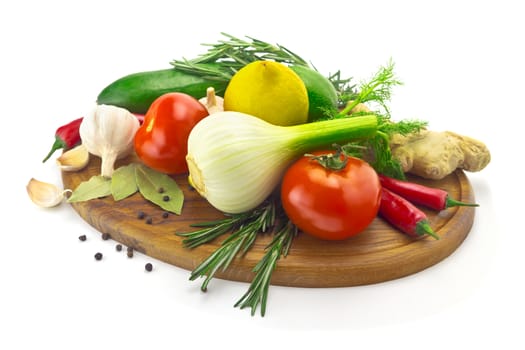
(332, 161)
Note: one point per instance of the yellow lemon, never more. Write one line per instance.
(268, 90)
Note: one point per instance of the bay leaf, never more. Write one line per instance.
(123, 182)
(159, 189)
(96, 187)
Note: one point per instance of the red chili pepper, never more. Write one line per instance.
(68, 136)
(404, 215)
(432, 198)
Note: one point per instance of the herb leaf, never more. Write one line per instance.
(159, 189)
(123, 182)
(96, 187)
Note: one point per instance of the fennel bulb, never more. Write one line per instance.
(236, 160)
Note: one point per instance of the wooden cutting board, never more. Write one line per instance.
(380, 253)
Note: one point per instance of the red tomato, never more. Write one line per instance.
(331, 204)
(161, 141)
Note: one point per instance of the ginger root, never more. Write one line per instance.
(434, 155)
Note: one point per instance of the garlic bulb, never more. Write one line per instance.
(236, 160)
(108, 132)
(44, 194)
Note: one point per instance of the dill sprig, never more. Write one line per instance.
(382, 159)
(401, 127)
(377, 90)
(376, 150)
(232, 54)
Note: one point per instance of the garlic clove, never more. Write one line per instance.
(44, 194)
(74, 159)
(212, 102)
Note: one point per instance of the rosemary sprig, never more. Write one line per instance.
(258, 291)
(213, 229)
(345, 88)
(233, 54)
(246, 227)
(240, 241)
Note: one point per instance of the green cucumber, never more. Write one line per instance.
(322, 95)
(136, 92)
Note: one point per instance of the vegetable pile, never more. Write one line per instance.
(269, 141)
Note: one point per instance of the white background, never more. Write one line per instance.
(462, 67)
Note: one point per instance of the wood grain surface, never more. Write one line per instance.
(380, 253)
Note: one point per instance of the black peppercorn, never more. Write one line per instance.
(166, 198)
(165, 214)
(141, 215)
(82, 238)
(98, 256)
(118, 247)
(148, 267)
(105, 236)
(149, 221)
(130, 252)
